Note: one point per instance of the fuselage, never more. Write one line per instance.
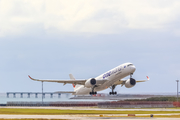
(112, 76)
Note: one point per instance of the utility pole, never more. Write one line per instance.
(177, 90)
(42, 93)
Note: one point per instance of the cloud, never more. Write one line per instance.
(50, 38)
(17, 17)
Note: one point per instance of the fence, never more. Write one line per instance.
(176, 104)
(114, 104)
(62, 104)
(136, 104)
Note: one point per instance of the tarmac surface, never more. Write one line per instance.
(74, 117)
(94, 108)
(91, 117)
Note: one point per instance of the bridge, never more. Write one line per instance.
(31, 93)
(36, 93)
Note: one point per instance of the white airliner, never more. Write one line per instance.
(109, 79)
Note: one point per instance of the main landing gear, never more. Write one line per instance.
(113, 93)
(93, 93)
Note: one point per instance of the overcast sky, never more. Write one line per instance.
(49, 39)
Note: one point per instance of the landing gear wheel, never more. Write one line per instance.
(113, 87)
(93, 93)
(112, 93)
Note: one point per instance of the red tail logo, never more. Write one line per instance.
(73, 85)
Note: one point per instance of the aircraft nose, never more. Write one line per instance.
(133, 68)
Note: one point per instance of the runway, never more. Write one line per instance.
(75, 117)
(93, 116)
(93, 108)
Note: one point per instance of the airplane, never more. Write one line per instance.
(109, 79)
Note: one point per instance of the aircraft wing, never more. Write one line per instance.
(143, 80)
(122, 81)
(79, 82)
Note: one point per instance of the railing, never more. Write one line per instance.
(30, 93)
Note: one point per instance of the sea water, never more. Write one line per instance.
(64, 97)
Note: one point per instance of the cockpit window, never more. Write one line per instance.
(130, 65)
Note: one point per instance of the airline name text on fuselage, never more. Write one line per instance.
(112, 72)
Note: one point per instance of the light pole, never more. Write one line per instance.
(42, 93)
(177, 90)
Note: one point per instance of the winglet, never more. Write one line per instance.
(30, 77)
(147, 77)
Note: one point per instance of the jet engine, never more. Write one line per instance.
(130, 83)
(90, 82)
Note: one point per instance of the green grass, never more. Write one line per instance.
(16, 111)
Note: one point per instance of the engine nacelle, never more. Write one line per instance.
(90, 82)
(130, 83)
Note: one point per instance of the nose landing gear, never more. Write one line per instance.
(131, 75)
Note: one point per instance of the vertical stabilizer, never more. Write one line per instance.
(72, 78)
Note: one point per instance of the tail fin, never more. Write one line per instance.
(72, 78)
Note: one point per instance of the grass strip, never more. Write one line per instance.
(20, 111)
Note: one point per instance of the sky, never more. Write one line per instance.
(49, 39)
